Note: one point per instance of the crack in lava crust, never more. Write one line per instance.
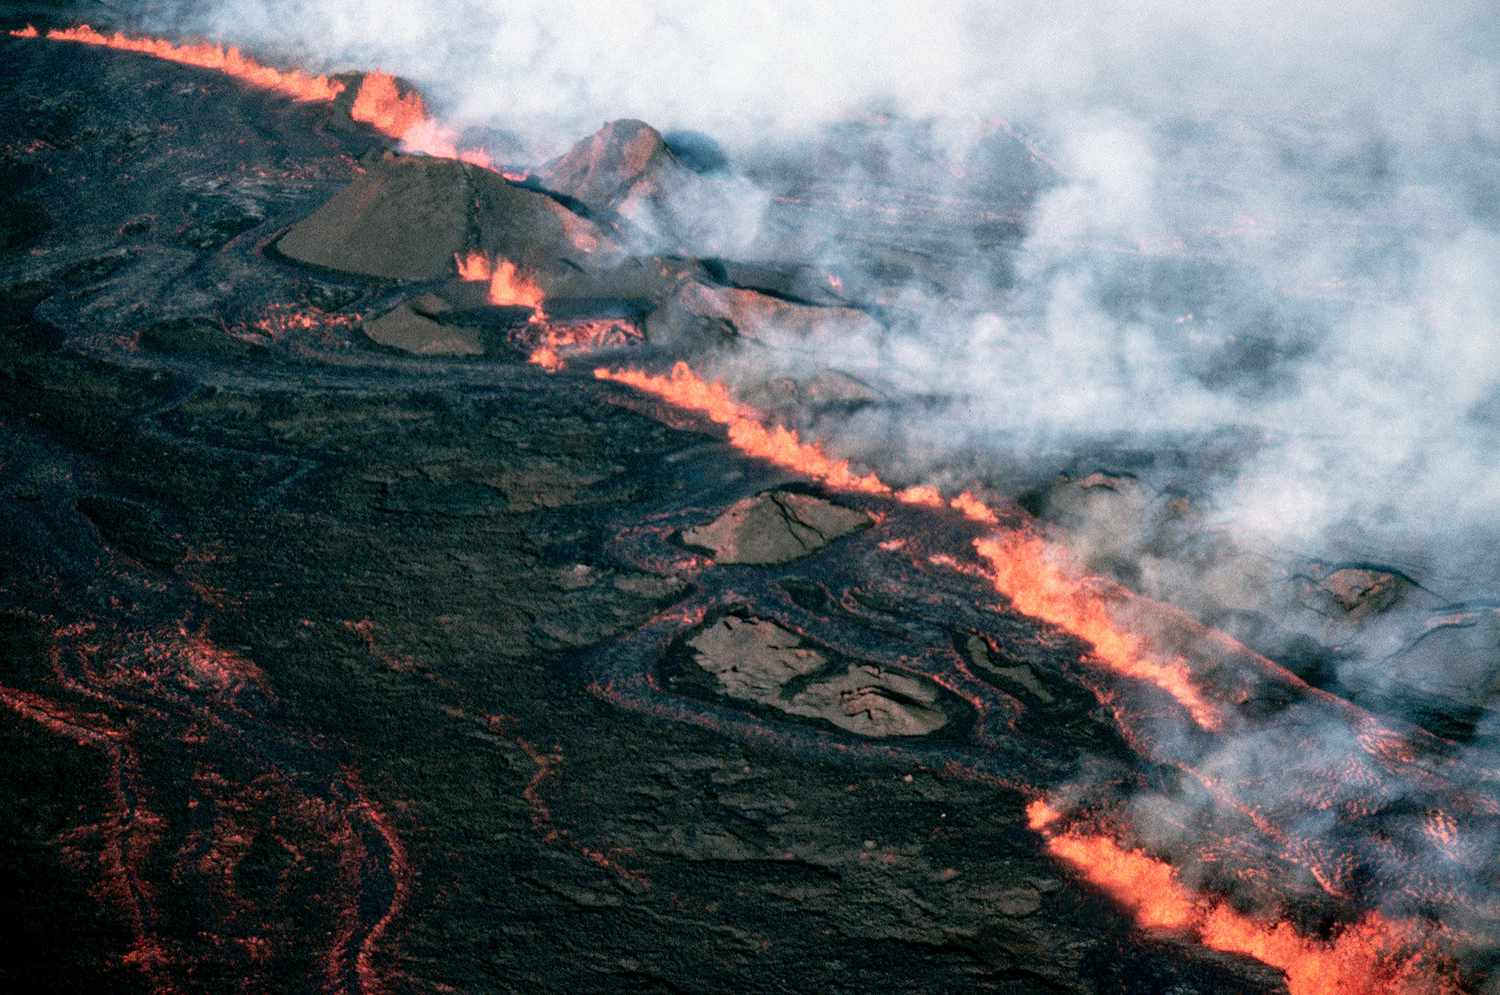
(231, 61)
(1372, 952)
(1374, 956)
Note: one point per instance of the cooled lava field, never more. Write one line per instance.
(414, 579)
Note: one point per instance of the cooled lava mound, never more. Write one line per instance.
(389, 601)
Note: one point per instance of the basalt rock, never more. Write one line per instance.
(696, 310)
(1455, 658)
(412, 327)
(1353, 594)
(627, 172)
(775, 527)
(408, 217)
(823, 388)
(760, 662)
(620, 166)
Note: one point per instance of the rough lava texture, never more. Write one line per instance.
(759, 662)
(356, 669)
(620, 168)
(698, 308)
(408, 217)
(775, 527)
(411, 327)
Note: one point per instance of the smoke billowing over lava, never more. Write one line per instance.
(1173, 332)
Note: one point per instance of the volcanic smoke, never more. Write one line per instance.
(1371, 952)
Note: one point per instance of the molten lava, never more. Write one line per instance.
(1040, 582)
(923, 494)
(293, 83)
(508, 285)
(379, 101)
(381, 104)
(1375, 956)
(549, 339)
(1024, 567)
(778, 444)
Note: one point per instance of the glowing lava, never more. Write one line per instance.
(509, 287)
(777, 444)
(1040, 582)
(378, 103)
(231, 61)
(1032, 574)
(381, 104)
(1375, 956)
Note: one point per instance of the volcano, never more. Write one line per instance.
(419, 575)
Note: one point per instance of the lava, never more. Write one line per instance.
(547, 340)
(974, 509)
(1041, 583)
(231, 61)
(1024, 568)
(509, 287)
(777, 444)
(403, 116)
(1374, 956)
(923, 494)
(378, 102)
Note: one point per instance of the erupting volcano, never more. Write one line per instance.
(698, 565)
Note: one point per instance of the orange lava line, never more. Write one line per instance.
(380, 104)
(1375, 956)
(1023, 567)
(400, 871)
(1040, 583)
(777, 444)
(231, 61)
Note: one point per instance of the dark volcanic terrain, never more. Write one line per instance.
(343, 649)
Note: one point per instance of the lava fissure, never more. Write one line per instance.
(1374, 954)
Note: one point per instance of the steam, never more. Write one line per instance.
(1261, 223)
(1260, 241)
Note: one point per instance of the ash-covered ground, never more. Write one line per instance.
(357, 637)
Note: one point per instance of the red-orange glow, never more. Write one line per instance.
(923, 494)
(1040, 583)
(549, 340)
(381, 104)
(508, 285)
(778, 444)
(293, 83)
(474, 267)
(1023, 567)
(1040, 815)
(685, 389)
(974, 509)
(378, 103)
(1148, 887)
(1375, 956)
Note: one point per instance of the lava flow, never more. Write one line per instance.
(509, 287)
(231, 61)
(379, 101)
(381, 104)
(1024, 568)
(1040, 583)
(1374, 956)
